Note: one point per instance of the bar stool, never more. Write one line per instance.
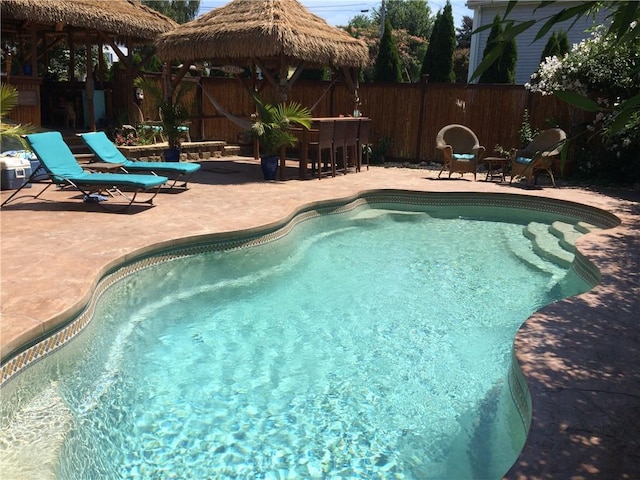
(325, 131)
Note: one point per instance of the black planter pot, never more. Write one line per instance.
(269, 164)
(172, 155)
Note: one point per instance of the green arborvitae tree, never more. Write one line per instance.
(387, 67)
(429, 57)
(551, 47)
(503, 70)
(182, 11)
(438, 60)
(412, 23)
(508, 61)
(563, 43)
(492, 73)
(558, 45)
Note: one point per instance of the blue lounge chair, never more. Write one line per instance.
(107, 152)
(57, 160)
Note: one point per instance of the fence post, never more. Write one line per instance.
(423, 93)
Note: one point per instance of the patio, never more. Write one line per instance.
(580, 355)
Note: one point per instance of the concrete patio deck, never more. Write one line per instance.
(580, 356)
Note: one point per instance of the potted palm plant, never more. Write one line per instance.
(272, 128)
(172, 116)
(172, 113)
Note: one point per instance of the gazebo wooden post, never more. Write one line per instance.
(91, 114)
(167, 86)
(131, 107)
(283, 90)
(254, 86)
(72, 57)
(283, 84)
(101, 65)
(33, 54)
(45, 56)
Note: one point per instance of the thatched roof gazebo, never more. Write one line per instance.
(274, 35)
(39, 25)
(122, 18)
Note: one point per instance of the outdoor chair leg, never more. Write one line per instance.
(27, 182)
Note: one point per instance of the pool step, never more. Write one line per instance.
(547, 244)
(566, 234)
(526, 254)
(585, 227)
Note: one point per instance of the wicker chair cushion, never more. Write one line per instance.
(523, 160)
(463, 156)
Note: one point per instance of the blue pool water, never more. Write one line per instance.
(370, 344)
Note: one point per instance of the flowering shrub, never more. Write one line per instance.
(130, 139)
(606, 71)
(597, 64)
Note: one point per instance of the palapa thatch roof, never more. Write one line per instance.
(116, 17)
(244, 30)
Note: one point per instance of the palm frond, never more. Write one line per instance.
(8, 99)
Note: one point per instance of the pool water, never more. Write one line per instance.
(370, 344)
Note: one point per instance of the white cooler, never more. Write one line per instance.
(14, 172)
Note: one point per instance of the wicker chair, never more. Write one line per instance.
(461, 149)
(537, 156)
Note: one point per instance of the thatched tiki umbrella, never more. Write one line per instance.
(271, 34)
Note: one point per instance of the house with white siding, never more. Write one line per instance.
(529, 52)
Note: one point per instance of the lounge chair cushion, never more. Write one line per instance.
(106, 151)
(56, 157)
(118, 179)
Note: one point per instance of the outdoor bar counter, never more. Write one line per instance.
(329, 133)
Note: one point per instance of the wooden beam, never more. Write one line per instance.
(55, 41)
(346, 72)
(179, 76)
(266, 73)
(296, 74)
(119, 53)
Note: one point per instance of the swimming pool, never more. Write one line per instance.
(326, 404)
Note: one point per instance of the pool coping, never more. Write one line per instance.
(561, 444)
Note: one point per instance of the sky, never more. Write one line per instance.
(339, 12)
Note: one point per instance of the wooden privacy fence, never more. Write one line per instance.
(408, 116)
